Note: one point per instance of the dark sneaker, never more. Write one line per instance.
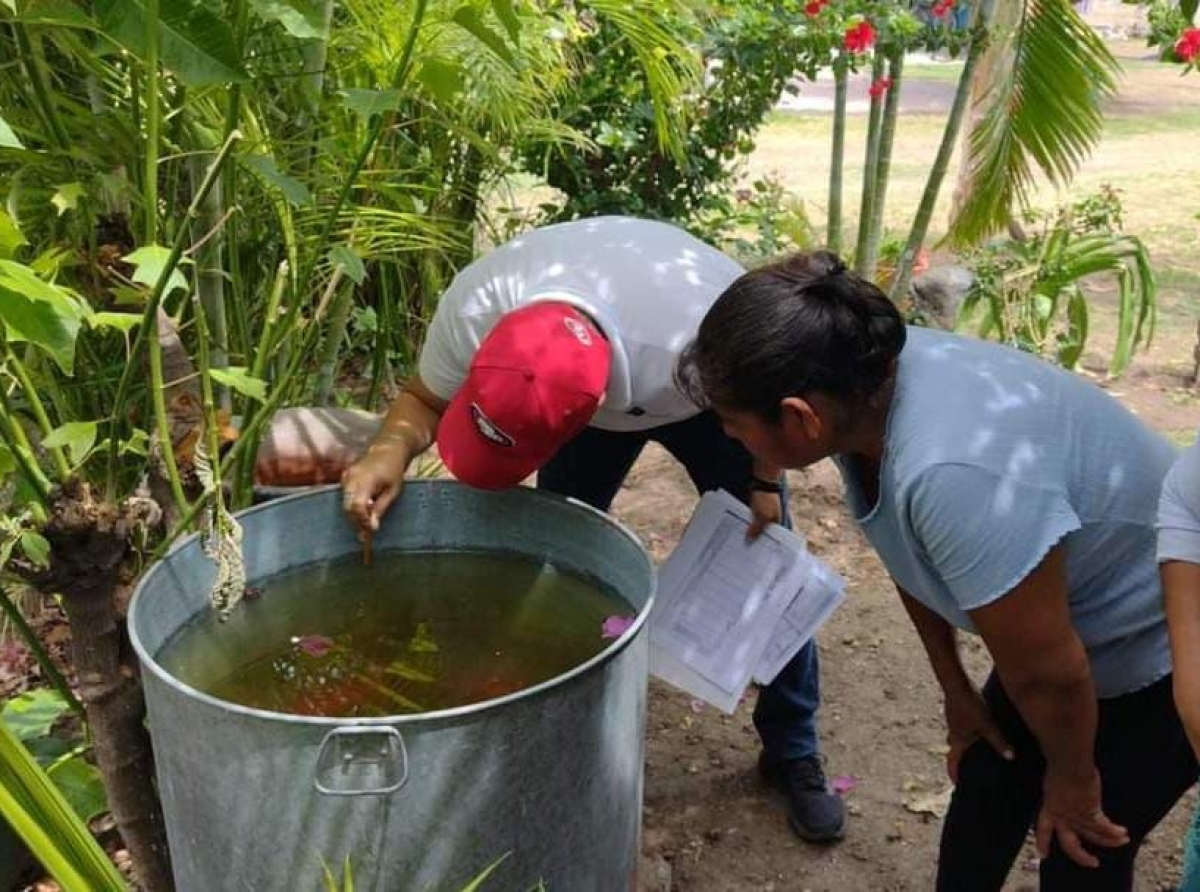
(814, 813)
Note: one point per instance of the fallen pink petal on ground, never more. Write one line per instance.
(843, 784)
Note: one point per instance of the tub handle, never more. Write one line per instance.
(361, 760)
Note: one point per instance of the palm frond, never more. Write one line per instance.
(1043, 114)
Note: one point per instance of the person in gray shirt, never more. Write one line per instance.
(1179, 564)
(1009, 498)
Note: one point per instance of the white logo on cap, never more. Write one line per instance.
(488, 429)
(577, 328)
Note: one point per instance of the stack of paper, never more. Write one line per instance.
(728, 610)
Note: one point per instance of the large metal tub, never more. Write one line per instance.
(550, 777)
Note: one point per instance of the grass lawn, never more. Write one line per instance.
(1149, 152)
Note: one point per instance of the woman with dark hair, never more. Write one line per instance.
(1006, 497)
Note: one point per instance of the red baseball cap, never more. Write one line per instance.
(535, 382)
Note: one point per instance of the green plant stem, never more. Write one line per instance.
(883, 160)
(837, 156)
(150, 314)
(208, 404)
(35, 70)
(57, 455)
(866, 208)
(339, 318)
(388, 278)
(398, 79)
(13, 436)
(162, 424)
(185, 521)
(920, 226)
(244, 477)
(40, 654)
(210, 278)
(153, 119)
(247, 442)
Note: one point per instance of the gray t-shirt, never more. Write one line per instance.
(1179, 509)
(992, 457)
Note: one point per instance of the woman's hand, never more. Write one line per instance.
(1071, 811)
(968, 720)
(766, 508)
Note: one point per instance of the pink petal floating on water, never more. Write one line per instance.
(315, 645)
(843, 784)
(615, 626)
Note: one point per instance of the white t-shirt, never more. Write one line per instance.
(646, 284)
(1179, 509)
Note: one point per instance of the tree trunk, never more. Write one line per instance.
(837, 157)
(90, 547)
(996, 58)
(937, 173)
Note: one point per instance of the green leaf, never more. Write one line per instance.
(304, 19)
(67, 197)
(1042, 110)
(123, 322)
(11, 4)
(10, 237)
(195, 41)
(474, 885)
(81, 785)
(8, 139)
(8, 464)
(40, 313)
(263, 166)
(149, 263)
(62, 13)
(77, 437)
(1188, 8)
(368, 103)
(36, 548)
(239, 379)
(33, 806)
(351, 263)
(508, 18)
(468, 18)
(32, 714)
(442, 78)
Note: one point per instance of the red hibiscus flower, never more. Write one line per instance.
(942, 8)
(1188, 45)
(860, 37)
(814, 8)
(879, 87)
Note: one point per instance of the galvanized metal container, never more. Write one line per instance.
(549, 778)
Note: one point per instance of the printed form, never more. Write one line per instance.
(728, 609)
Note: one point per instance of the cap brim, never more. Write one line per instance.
(474, 461)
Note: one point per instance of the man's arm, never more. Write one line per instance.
(1045, 672)
(410, 427)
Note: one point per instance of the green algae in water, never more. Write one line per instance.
(413, 632)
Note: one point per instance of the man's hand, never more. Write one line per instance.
(968, 720)
(1071, 811)
(766, 508)
(370, 485)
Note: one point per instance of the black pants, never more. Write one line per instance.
(592, 468)
(1145, 765)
